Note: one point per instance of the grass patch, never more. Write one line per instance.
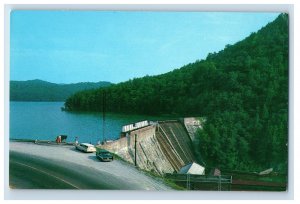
(174, 185)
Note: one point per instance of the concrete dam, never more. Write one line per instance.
(160, 147)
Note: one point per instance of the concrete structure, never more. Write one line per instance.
(162, 147)
(192, 168)
(192, 124)
(134, 126)
(265, 172)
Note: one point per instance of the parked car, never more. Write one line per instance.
(86, 147)
(104, 155)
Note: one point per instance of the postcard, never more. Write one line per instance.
(148, 100)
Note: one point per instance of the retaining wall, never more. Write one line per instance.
(162, 148)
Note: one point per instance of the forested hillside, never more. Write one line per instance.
(38, 90)
(242, 91)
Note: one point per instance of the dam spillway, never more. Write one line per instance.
(160, 147)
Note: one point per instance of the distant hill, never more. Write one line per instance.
(38, 90)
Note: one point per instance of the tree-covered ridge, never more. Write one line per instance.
(242, 91)
(38, 90)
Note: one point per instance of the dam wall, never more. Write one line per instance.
(192, 125)
(162, 147)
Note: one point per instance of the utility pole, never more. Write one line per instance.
(103, 115)
(135, 149)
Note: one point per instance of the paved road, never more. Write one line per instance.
(34, 166)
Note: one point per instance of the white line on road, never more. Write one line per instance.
(47, 174)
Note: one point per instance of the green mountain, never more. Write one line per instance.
(242, 91)
(38, 90)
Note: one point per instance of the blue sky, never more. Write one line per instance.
(80, 46)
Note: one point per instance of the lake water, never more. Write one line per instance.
(45, 121)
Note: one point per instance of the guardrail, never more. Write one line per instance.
(191, 179)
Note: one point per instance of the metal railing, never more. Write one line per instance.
(204, 179)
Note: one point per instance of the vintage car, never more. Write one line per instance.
(86, 147)
(104, 155)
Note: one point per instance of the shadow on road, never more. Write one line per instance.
(93, 157)
(75, 150)
(82, 152)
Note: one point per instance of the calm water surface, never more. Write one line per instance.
(45, 120)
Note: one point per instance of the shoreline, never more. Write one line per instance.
(45, 142)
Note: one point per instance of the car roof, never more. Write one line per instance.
(87, 144)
